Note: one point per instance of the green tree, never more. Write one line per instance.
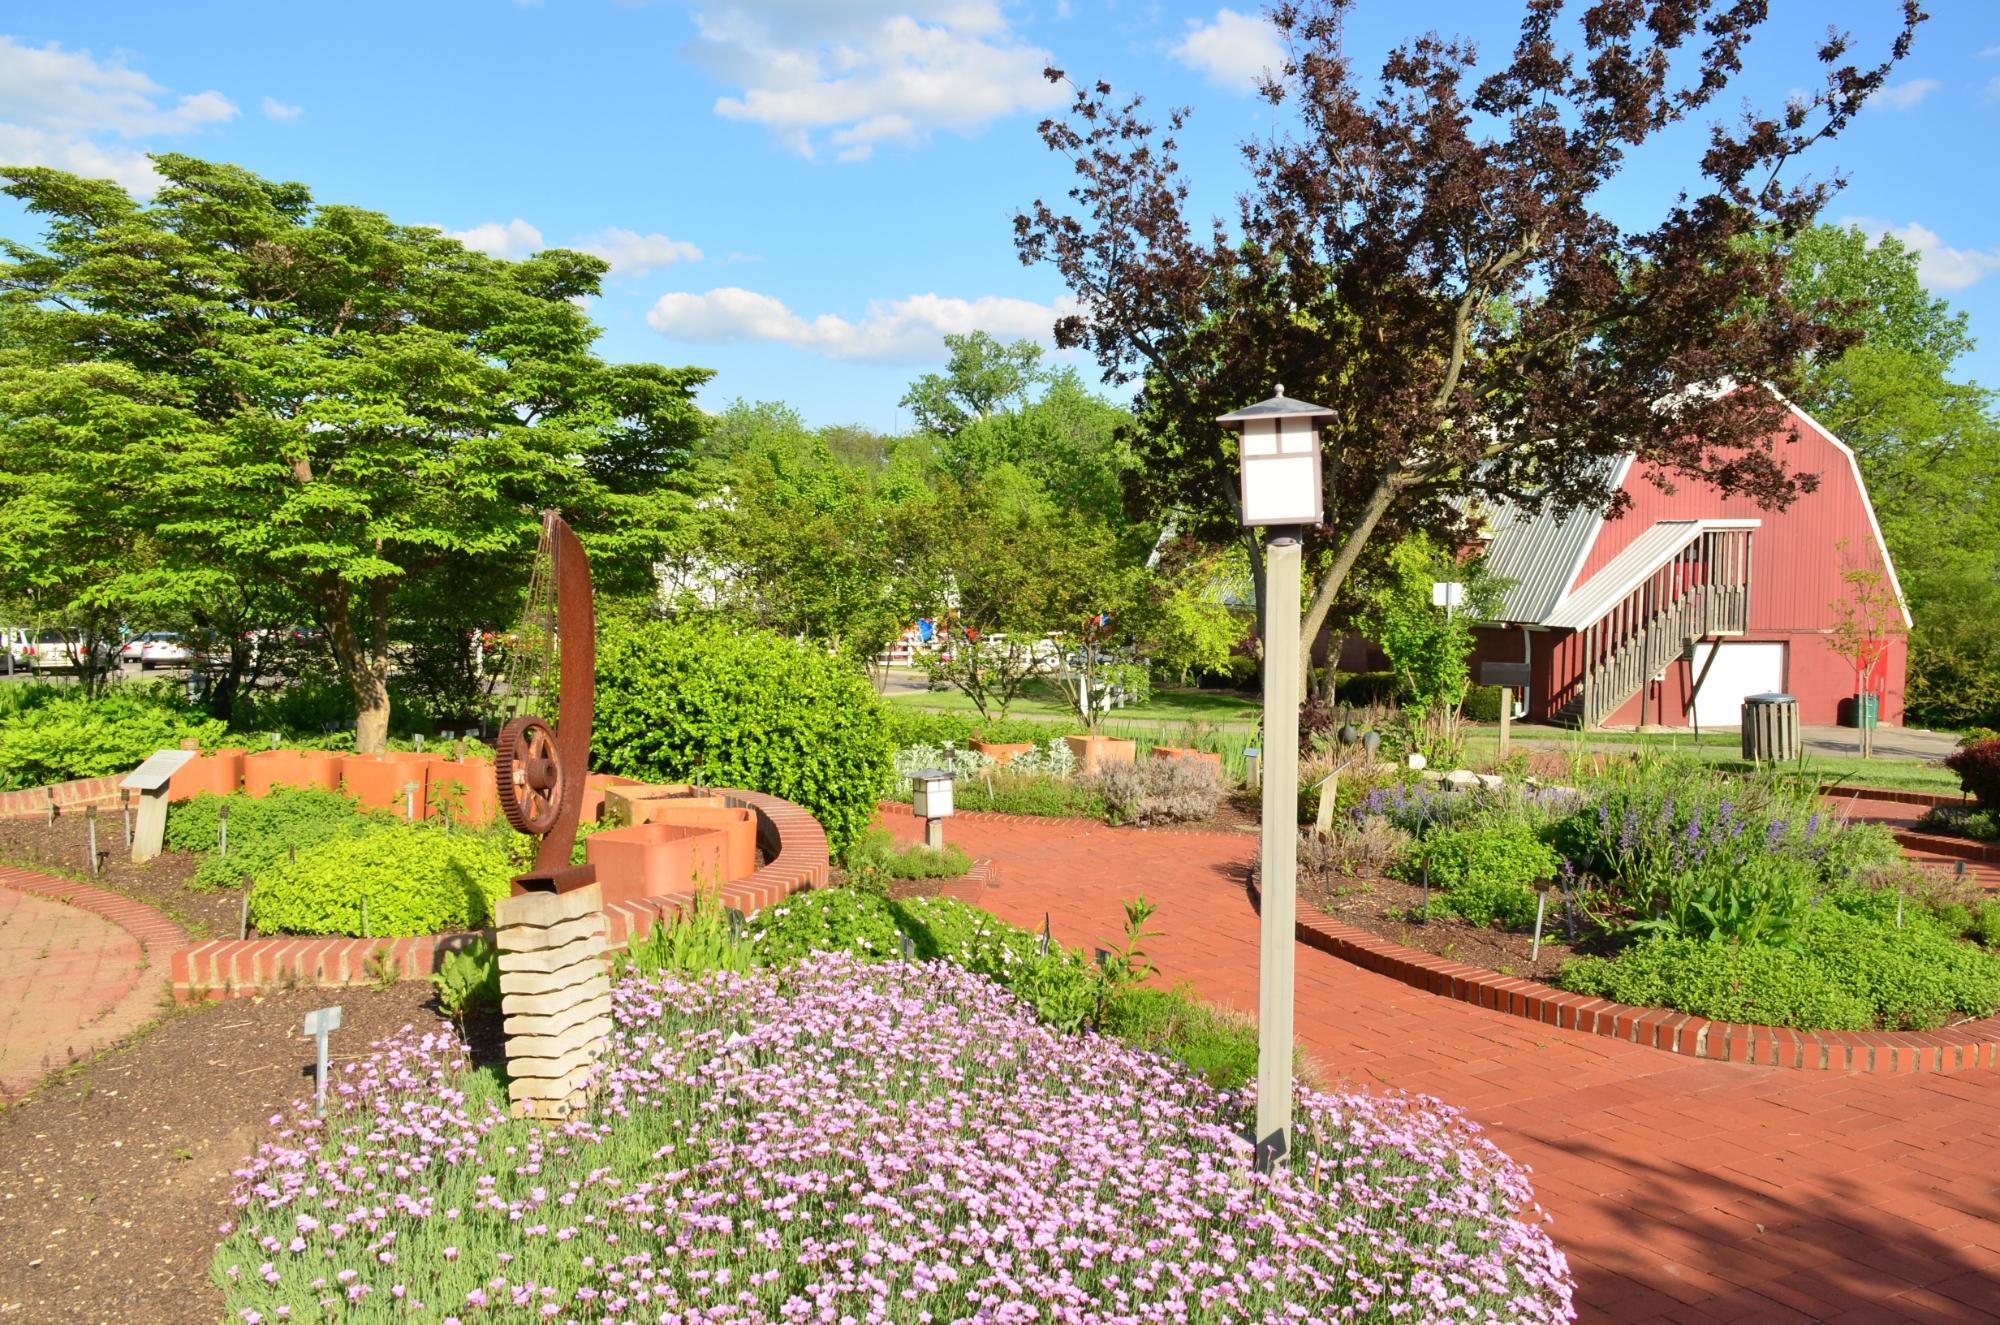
(314, 395)
(1929, 448)
(1429, 647)
(982, 377)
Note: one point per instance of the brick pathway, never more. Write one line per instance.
(80, 968)
(1682, 1191)
(1897, 815)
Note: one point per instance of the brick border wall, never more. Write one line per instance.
(1963, 847)
(33, 801)
(1973, 1045)
(1834, 792)
(157, 935)
(793, 843)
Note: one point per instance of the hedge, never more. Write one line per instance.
(680, 700)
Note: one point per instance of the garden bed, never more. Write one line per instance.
(63, 848)
(118, 1171)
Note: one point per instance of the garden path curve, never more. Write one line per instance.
(1682, 1190)
(80, 968)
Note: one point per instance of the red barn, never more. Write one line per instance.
(1691, 600)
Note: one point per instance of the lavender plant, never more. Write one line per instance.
(899, 1142)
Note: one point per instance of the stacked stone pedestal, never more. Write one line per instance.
(555, 993)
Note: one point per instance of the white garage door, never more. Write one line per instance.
(1744, 668)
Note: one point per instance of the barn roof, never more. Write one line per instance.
(1540, 551)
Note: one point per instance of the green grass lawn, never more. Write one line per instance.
(1723, 749)
(1042, 700)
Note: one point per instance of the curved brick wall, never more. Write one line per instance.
(792, 841)
(1974, 1045)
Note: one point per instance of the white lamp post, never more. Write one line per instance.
(1281, 492)
(930, 798)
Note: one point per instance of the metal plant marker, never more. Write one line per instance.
(555, 989)
(319, 1025)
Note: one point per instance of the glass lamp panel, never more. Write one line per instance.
(1279, 490)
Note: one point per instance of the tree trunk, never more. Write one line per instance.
(366, 662)
(1343, 562)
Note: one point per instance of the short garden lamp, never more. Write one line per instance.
(1280, 452)
(930, 797)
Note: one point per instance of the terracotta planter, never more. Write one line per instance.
(594, 787)
(218, 772)
(1003, 752)
(377, 780)
(469, 785)
(656, 860)
(1192, 756)
(1094, 752)
(265, 769)
(739, 826)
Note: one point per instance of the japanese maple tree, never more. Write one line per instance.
(1429, 254)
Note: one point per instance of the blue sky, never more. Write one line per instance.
(806, 194)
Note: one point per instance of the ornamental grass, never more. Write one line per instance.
(838, 1141)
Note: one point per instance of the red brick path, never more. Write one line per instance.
(80, 968)
(1682, 1190)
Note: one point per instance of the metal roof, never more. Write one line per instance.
(1629, 569)
(1279, 406)
(1541, 552)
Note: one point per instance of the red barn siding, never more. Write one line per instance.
(1797, 560)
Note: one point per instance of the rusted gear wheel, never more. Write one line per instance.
(530, 774)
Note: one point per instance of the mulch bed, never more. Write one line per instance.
(63, 848)
(1385, 907)
(115, 1175)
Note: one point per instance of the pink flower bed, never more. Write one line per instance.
(839, 1141)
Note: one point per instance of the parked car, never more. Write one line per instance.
(52, 648)
(16, 648)
(160, 648)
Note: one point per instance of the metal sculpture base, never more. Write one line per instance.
(555, 995)
(562, 879)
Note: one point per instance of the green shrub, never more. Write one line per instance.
(742, 709)
(467, 980)
(409, 878)
(1362, 689)
(1032, 794)
(1851, 968)
(1061, 987)
(1483, 870)
(908, 725)
(1216, 1043)
(70, 735)
(700, 939)
(876, 854)
(1482, 704)
(262, 830)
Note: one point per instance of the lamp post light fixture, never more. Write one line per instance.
(1282, 491)
(930, 798)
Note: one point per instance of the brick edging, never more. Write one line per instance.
(1836, 791)
(156, 934)
(31, 801)
(1964, 847)
(1973, 1045)
(793, 842)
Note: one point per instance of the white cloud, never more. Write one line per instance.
(278, 110)
(633, 254)
(1902, 96)
(859, 73)
(69, 110)
(1234, 51)
(513, 239)
(1939, 266)
(908, 330)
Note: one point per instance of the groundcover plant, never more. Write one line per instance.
(836, 1141)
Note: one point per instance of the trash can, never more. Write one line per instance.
(1770, 727)
(1863, 710)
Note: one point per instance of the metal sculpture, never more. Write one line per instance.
(540, 768)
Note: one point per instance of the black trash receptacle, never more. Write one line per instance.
(1770, 727)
